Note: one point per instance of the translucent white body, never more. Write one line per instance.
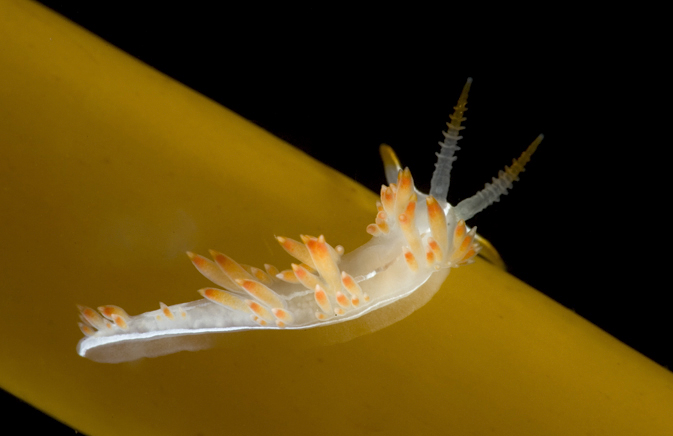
(416, 240)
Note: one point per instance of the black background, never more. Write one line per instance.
(337, 82)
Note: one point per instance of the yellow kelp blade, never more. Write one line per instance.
(111, 171)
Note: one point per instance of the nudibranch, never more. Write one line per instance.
(416, 240)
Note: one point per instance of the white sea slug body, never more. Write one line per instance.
(416, 240)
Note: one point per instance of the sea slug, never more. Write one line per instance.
(416, 239)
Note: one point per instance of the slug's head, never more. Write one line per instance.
(435, 233)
